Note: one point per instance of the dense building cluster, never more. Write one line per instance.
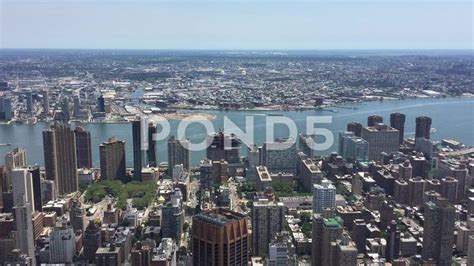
(381, 199)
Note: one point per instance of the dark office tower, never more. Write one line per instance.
(397, 121)
(101, 104)
(178, 153)
(438, 231)
(137, 150)
(36, 181)
(151, 152)
(217, 151)
(374, 120)
(5, 108)
(45, 101)
(83, 148)
(112, 160)
(29, 102)
(393, 242)
(65, 110)
(355, 128)
(60, 159)
(220, 237)
(423, 127)
(77, 105)
(91, 241)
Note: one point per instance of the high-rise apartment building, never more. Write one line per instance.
(172, 216)
(178, 153)
(62, 245)
(92, 240)
(438, 232)
(60, 158)
(267, 220)
(220, 237)
(112, 160)
(397, 121)
(381, 138)
(324, 232)
(137, 149)
(22, 187)
(373, 120)
(423, 127)
(24, 228)
(223, 146)
(355, 127)
(324, 196)
(83, 148)
(280, 155)
(151, 152)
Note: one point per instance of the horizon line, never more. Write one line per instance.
(242, 49)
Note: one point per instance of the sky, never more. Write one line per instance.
(245, 24)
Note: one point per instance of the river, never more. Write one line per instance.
(452, 117)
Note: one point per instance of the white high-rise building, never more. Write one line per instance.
(324, 196)
(62, 244)
(24, 228)
(22, 187)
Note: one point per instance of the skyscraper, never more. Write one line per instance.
(178, 153)
(112, 160)
(172, 219)
(220, 237)
(381, 138)
(36, 181)
(92, 241)
(217, 149)
(280, 155)
(83, 148)
(438, 232)
(77, 215)
(137, 149)
(22, 187)
(44, 92)
(151, 153)
(5, 107)
(324, 232)
(353, 148)
(374, 120)
(62, 245)
(24, 228)
(101, 104)
(324, 196)
(397, 121)
(267, 220)
(423, 127)
(16, 159)
(355, 127)
(29, 102)
(60, 158)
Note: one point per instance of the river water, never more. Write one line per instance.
(452, 117)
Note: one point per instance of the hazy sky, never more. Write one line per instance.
(220, 24)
